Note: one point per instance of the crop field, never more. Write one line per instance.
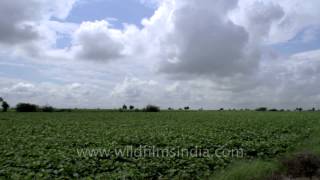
(134, 145)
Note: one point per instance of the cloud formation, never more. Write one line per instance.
(20, 19)
(97, 41)
(204, 41)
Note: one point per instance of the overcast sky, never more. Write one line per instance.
(201, 53)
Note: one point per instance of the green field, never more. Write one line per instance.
(47, 145)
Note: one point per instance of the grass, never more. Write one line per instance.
(45, 145)
(250, 170)
(261, 169)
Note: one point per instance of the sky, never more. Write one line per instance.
(171, 53)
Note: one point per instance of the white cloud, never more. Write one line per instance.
(20, 19)
(290, 17)
(134, 90)
(97, 41)
(203, 41)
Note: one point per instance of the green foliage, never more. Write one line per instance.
(26, 107)
(254, 170)
(152, 108)
(44, 145)
(273, 110)
(262, 109)
(47, 109)
(5, 106)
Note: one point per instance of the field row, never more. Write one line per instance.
(48, 145)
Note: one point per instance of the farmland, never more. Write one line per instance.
(47, 145)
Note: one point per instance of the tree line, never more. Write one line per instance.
(28, 107)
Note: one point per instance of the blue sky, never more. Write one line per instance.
(128, 11)
(133, 11)
(116, 12)
(299, 43)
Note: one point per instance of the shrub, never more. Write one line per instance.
(152, 108)
(124, 107)
(262, 109)
(63, 110)
(186, 108)
(273, 110)
(5, 106)
(47, 109)
(26, 107)
(131, 107)
(304, 164)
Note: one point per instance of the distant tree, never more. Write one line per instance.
(221, 109)
(63, 110)
(1, 99)
(262, 109)
(313, 109)
(26, 107)
(186, 108)
(5, 106)
(131, 107)
(124, 107)
(170, 108)
(152, 108)
(47, 109)
(273, 110)
(299, 109)
(120, 110)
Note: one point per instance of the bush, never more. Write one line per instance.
(304, 164)
(63, 110)
(262, 109)
(26, 107)
(47, 109)
(273, 110)
(152, 108)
